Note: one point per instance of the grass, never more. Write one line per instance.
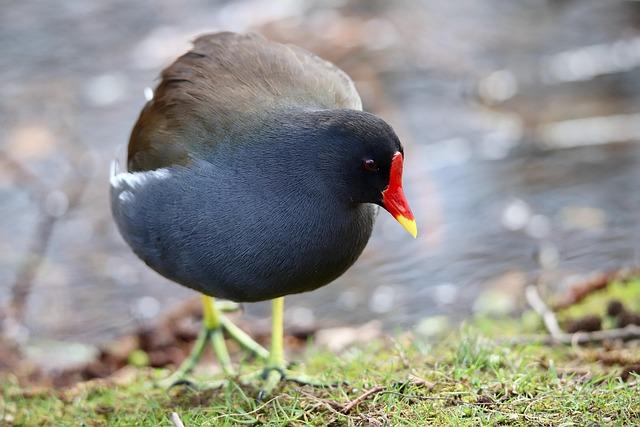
(474, 376)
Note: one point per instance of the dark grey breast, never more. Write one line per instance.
(223, 193)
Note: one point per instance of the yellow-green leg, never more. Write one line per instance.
(276, 369)
(212, 323)
(212, 332)
(243, 339)
(276, 355)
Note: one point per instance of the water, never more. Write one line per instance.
(466, 84)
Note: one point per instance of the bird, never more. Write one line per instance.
(254, 173)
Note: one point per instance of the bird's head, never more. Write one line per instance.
(363, 159)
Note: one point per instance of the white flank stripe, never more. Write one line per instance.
(135, 179)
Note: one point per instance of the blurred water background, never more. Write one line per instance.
(520, 122)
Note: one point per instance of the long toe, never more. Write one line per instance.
(272, 378)
(190, 362)
(200, 385)
(313, 382)
(242, 338)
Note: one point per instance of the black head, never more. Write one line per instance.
(360, 159)
(355, 151)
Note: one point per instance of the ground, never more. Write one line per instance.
(487, 372)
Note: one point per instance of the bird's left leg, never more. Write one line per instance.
(276, 369)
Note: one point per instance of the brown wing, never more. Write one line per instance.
(225, 87)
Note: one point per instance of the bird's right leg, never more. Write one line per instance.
(213, 323)
(211, 332)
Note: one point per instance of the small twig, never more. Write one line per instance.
(557, 336)
(421, 382)
(355, 402)
(548, 317)
(343, 410)
(329, 404)
(30, 265)
(33, 259)
(627, 333)
(23, 176)
(175, 419)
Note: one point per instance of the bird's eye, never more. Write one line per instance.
(370, 165)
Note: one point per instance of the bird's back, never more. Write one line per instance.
(224, 89)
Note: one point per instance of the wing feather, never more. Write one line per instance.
(226, 86)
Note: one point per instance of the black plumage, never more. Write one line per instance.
(245, 171)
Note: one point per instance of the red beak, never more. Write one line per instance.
(393, 199)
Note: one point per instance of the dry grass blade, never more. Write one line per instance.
(548, 316)
(175, 419)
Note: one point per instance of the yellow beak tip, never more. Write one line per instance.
(409, 225)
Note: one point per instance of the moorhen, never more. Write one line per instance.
(253, 173)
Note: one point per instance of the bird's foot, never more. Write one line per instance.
(214, 325)
(268, 380)
(271, 377)
(216, 339)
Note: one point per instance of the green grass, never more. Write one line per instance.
(474, 376)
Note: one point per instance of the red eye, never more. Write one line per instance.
(370, 165)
